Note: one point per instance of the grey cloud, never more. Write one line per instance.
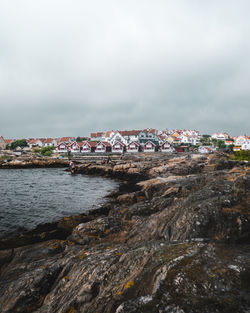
(75, 67)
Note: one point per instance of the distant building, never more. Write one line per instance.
(246, 145)
(220, 136)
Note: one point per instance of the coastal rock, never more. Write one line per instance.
(174, 237)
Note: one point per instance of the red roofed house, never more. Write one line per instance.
(97, 136)
(103, 147)
(149, 146)
(88, 146)
(237, 148)
(35, 143)
(74, 147)
(118, 147)
(229, 142)
(166, 147)
(133, 146)
(67, 139)
(62, 147)
(49, 142)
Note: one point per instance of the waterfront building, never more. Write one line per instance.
(103, 147)
(166, 147)
(118, 147)
(62, 147)
(133, 146)
(149, 146)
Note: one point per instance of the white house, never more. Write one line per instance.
(149, 147)
(220, 136)
(97, 136)
(35, 143)
(49, 142)
(117, 137)
(240, 140)
(148, 135)
(246, 145)
(133, 146)
(130, 135)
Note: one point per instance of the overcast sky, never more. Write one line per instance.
(74, 67)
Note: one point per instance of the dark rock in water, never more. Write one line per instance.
(173, 238)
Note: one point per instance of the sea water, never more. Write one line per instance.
(29, 197)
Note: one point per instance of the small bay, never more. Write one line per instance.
(29, 197)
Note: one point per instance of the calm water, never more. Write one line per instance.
(29, 197)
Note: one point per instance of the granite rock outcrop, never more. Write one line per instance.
(173, 238)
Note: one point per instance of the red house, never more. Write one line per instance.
(74, 147)
(118, 147)
(103, 147)
(88, 146)
(166, 147)
(133, 146)
(62, 147)
(149, 146)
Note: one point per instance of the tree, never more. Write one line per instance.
(221, 144)
(18, 143)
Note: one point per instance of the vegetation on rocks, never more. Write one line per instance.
(243, 155)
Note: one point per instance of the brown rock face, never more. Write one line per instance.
(174, 238)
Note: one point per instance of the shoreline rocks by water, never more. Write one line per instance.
(173, 238)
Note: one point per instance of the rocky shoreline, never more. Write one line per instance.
(173, 238)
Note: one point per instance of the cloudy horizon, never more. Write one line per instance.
(71, 68)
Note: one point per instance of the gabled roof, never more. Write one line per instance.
(104, 143)
(66, 139)
(48, 140)
(135, 143)
(165, 143)
(81, 143)
(120, 143)
(33, 141)
(92, 143)
(149, 141)
(62, 142)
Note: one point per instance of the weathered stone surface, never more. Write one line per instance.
(167, 241)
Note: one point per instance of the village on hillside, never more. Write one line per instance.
(132, 141)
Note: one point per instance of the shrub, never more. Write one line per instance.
(47, 151)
